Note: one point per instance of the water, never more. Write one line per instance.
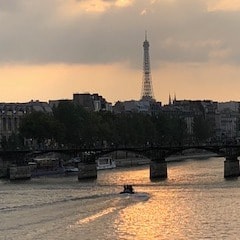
(195, 202)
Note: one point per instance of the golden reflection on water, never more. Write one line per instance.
(182, 207)
(156, 218)
(166, 215)
(135, 224)
(92, 217)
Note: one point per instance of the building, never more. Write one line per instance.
(141, 106)
(92, 102)
(132, 106)
(189, 110)
(232, 106)
(55, 103)
(228, 121)
(11, 115)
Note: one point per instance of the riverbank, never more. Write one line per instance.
(132, 162)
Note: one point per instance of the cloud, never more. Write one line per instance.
(112, 31)
(224, 5)
(91, 6)
(8, 6)
(124, 3)
(73, 8)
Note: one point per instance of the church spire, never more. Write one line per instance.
(169, 100)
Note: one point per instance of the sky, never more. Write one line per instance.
(50, 49)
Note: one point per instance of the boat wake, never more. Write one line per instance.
(93, 217)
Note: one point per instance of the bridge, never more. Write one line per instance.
(156, 153)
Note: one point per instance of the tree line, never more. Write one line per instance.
(72, 126)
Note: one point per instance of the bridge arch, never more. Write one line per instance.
(157, 155)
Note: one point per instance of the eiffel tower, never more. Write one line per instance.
(147, 90)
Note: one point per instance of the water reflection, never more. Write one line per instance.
(164, 216)
(195, 202)
(185, 206)
(133, 223)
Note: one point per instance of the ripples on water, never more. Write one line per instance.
(195, 202)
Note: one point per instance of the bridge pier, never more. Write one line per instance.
(87, 171)
(231, 167)
(158, 170)
(19, 172)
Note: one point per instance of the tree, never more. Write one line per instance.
(73, 121)
(201, 129)
(39, 126)
(14, 142)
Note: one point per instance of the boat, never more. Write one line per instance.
(71, 166)
(71, 170)
(105, 163)
(127, 189)
(46, 166)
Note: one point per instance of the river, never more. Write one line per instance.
(195, 202)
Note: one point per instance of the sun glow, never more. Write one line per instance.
(124, 3)
(57, 81)
(224, 5)
(73, 8)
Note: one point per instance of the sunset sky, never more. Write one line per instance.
(50, 49)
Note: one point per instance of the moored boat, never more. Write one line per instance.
(46, 166)
(71, 170)
(71, 166)
(105, 163)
